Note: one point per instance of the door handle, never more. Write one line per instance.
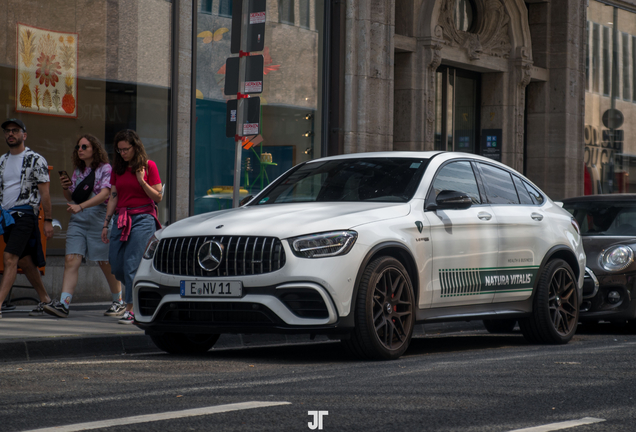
(484, 216)
(537, 216)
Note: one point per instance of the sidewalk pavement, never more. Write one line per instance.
(87, 332)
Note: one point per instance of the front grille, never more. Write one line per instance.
(241, 256)
(148, 301)
(221, 313)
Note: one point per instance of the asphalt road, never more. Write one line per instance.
(471, 381)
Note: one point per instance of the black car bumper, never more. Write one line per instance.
(608, 297)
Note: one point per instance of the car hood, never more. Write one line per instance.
(286, 220)
(595, 244)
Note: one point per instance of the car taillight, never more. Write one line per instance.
(575, 224)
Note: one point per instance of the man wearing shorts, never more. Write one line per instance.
(24, 184)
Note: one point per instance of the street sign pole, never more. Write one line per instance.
(240, 120)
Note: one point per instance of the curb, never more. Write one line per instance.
(70, 346)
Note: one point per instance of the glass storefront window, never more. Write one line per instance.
(610, 100)
(291, 102)
(114, 67)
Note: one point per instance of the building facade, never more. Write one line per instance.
(548, 87)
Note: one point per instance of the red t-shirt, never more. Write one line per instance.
(129, 191)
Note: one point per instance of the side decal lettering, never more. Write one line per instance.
(478, 281)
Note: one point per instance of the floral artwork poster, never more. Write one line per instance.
(46, 72)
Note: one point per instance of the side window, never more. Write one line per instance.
(524, 196)
(536, 196)
(499, 186)
(457, 176)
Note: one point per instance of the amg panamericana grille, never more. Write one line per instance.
(241, 256)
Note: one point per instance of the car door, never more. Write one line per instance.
(521, 228)
(464, 242)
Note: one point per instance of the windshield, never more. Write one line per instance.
(604, 218)
(348, 180)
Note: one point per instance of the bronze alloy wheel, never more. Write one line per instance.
(555, 308)
(562, 303)
(392, 311)
(384, 314)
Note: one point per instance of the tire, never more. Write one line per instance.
(384, 311)
(182, 343)
(555, 309)
(500, 326)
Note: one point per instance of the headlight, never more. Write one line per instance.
(616, 258)
(323, 244)
(151, 247)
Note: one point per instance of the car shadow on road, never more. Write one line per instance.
(334, 351)
(459, 343)
(604, 328)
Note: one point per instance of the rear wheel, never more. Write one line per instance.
(556, 306)
(384, 312)
(183, 343)
(500, 326)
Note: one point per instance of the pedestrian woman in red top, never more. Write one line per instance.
(135, 189)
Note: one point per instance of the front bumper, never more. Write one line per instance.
(290, 307)
(608, 297)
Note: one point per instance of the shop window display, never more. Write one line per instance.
(291, 101)
(65, 73)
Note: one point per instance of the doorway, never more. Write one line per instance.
(457, 102)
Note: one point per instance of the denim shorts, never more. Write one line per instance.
(84, 234)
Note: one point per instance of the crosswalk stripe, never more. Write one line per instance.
(561, 425)
(160, 416)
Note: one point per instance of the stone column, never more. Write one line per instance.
(181, 192)
(369, 78)
(556, 109)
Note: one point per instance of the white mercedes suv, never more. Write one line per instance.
(362, 247)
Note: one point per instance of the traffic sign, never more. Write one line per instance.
(250, 108)
(613, 118)
(253, 75)
(255, 26)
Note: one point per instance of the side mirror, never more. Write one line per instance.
(245, 200)
(450, 200)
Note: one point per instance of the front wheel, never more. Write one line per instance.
(555, 312)
(183, 343)
(384, 311)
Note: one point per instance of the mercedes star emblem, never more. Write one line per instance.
(210, 255)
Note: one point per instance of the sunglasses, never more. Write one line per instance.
(83, 147)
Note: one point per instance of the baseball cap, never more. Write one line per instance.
(16, 121)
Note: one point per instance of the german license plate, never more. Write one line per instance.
(211, 289)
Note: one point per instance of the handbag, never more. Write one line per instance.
(84, 189)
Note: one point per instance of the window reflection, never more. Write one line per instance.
(291, 113)
(610, 114)
(123, 81)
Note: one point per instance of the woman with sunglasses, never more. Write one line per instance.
(86, 190)
(135, 190)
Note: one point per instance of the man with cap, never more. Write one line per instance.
(24, 184)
